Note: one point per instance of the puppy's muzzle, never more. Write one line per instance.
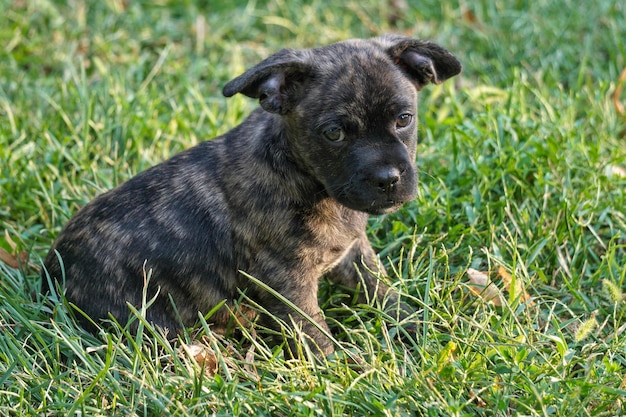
(386, 180)
(382, 190)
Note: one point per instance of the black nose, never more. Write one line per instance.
(386, 179)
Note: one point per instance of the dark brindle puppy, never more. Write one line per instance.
(284, 196)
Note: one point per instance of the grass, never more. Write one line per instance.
(521, 167)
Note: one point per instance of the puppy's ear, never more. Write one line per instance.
(276, 81)
(422, 61)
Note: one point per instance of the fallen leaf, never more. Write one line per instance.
(249, 359)
(619, 107)
(248, 364)
(9, 259)
(518, 291)
(203, 356)
(481, 286)
(13, 259)
(470, 16)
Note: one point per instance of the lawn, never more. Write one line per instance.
(522, 176)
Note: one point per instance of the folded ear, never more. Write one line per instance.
(422, 61)
(276, 81)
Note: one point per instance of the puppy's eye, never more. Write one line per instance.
(335, 134)
(404, 120)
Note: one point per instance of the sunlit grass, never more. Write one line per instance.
(521, 166)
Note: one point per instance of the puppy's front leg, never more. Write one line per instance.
(358, 268)
(304, 297)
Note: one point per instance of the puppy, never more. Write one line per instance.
(283, 197)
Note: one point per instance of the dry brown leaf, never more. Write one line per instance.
(619, 107)
(9, 259)
(249, 358)
(13, 259)
(469, 16)
(204, 357)
(519, 291)
(481, 286)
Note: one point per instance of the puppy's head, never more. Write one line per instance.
(350, 112)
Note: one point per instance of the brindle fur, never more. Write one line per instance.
(274, 197)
